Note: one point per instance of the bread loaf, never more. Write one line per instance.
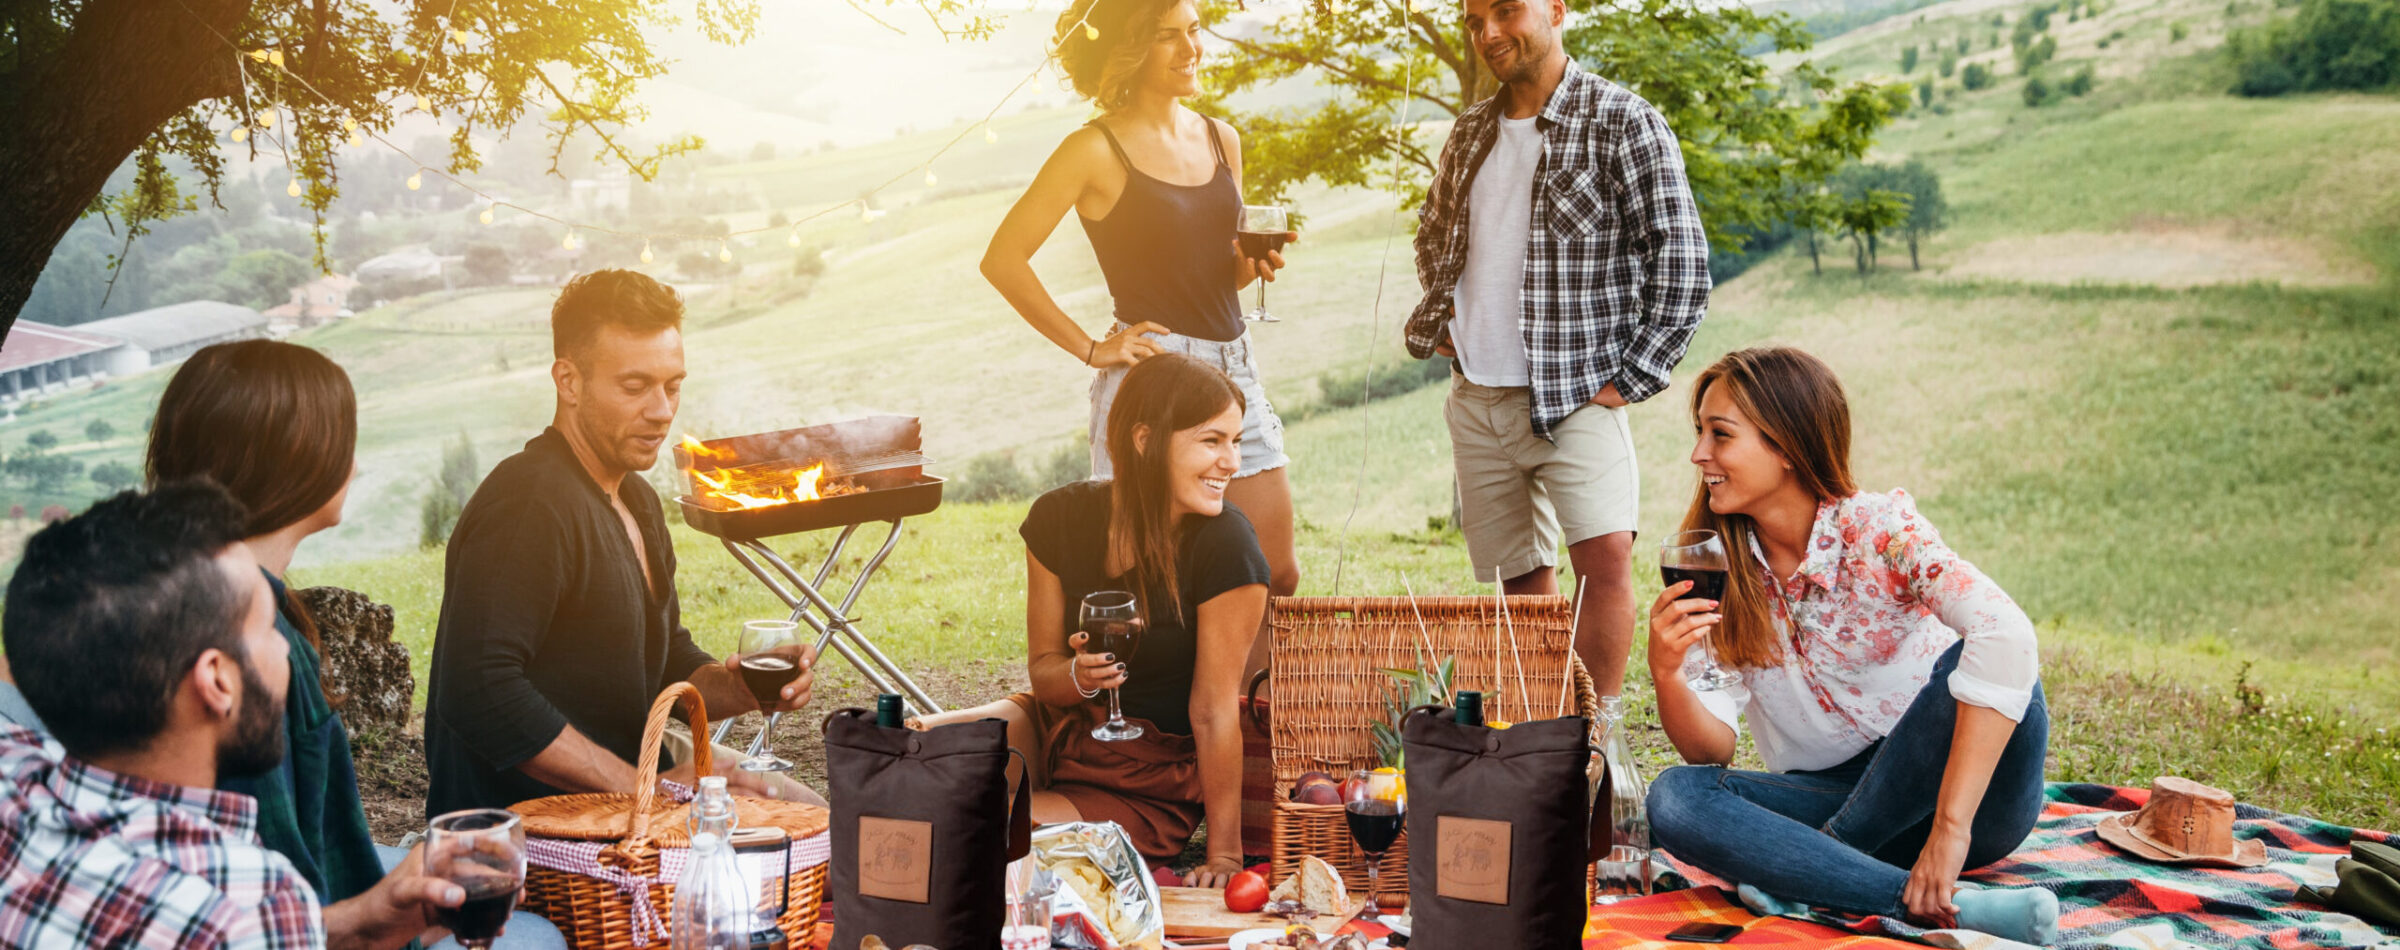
(1317, 885)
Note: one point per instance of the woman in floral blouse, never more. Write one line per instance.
(1893, 690)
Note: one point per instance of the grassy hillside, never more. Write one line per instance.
(2147, 380)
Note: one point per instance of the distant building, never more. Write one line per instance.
(163, 335)
(319, 301)
(406, 264)
(39, 358)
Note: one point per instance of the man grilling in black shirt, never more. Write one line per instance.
(559, 618)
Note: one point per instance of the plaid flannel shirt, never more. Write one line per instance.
(1616, 264)
(90, 858)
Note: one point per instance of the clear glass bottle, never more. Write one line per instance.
(713, 903)
(1625, 870)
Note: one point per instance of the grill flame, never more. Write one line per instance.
(727, 488)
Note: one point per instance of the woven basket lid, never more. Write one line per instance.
(601, 817)
(587, 817)
(673, 829)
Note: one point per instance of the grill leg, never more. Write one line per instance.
(836, 629)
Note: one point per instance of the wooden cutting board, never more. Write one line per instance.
(1200, 912)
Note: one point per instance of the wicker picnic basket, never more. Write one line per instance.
(602, 867)
(1328, 663)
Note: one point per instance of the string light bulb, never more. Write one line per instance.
(724, 252)
(266, 118)
(258, 55)
(459, 36)
(793, 238)
(293, 189)
(240, 133)
(1091, 32)
(865, 214)
(275, 58)
(486, 216)
(647, 257)
(357, 138)
(570, 242)
(930, 179)
(349, 124)
(990, 135)
(424, 103)
(416, 180)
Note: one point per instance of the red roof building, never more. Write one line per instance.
(38, 358)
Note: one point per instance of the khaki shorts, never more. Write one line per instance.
(1518, 492)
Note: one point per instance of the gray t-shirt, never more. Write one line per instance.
(1486, 331)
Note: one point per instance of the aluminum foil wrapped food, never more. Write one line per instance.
(1100, 874)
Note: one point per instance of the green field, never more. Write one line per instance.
(2149, 380)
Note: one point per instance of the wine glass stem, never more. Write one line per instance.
(1116, 713)
(759, 742)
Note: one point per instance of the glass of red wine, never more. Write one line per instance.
(1699, 557)
(1376, 804)
(769, 660)
(1112, 624)
(481, 850)
(1263, 231)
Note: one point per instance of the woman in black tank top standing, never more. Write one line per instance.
(1158, 189)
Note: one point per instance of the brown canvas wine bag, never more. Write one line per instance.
(923, 830)
(1499, 831)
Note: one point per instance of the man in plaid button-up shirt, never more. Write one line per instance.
(143, 634)
(1564, 266)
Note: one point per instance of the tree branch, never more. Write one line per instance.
(575, 112)
(1375, 82)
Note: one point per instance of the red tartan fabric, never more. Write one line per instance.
(1644, 922)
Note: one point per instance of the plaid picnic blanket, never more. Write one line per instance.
(1642, 924)
(2109, 900)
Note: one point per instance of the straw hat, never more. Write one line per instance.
(2185, 822)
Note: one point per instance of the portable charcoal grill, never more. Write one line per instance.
(874, 471)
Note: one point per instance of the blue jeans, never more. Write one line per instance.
(1845, 837)
(524, 931)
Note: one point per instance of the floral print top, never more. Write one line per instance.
(1875, 603)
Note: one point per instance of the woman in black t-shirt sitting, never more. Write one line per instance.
(1163, 530)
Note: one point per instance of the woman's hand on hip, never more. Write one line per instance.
(1676, 624)
(1094, 671)
(1127, 346)
(1934, 879)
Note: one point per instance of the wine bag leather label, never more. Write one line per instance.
(895, 859)
(1471, 859)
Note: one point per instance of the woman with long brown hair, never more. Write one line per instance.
(1893, 690)
(1164, 530)
(276, 424)
(1158, 189)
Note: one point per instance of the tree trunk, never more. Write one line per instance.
(1874, 253)
(70, 118)
(1858, 255)
(1912, 252)
(1813, 262)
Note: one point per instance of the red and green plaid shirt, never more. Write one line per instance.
(90, 858)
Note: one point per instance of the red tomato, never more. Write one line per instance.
(1246, 893)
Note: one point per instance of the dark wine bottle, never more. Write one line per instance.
(887, 710)
(1469, 709)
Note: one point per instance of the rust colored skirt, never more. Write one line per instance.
(1150, 786)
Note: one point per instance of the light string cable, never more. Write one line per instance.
(862, 202)
(1366, 410)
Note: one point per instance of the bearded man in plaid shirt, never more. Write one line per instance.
(1565, 268)
(143, 634)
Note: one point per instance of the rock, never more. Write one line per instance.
(362, 663)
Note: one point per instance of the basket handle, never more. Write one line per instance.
(645, 785)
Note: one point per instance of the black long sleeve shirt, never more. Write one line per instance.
(547, 623)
